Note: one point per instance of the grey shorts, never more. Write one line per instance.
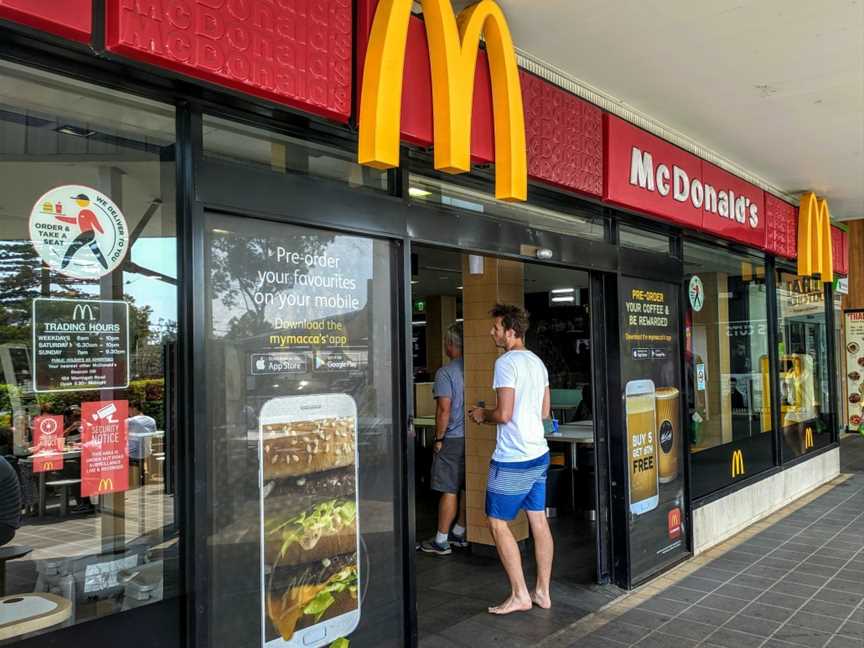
(448, 467)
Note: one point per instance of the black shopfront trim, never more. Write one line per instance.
(755, 479)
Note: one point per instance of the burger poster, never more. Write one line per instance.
(309, 532)
(855, 369)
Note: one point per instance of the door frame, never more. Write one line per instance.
(670, 270)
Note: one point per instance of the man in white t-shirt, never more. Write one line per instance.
(517, 472)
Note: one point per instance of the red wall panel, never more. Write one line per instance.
(298, 54)
(564, 135)
(781, 227)
(840, 250)
(67, 18)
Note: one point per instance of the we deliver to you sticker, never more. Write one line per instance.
(104, 447)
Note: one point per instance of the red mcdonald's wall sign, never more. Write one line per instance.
(70, 19)
(648, 174)
(104, 447)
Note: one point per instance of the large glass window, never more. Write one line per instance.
(88, 319)
(640, 239)
(229, 141)
(304, 543)
(805, 394)
(728, 369)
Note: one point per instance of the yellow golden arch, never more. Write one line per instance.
(814, 238)
(453, 47)
(808, 438)
(105, 485)
(737, 463)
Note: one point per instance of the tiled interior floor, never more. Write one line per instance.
(148, 511)
(454, 591)
(793, 580)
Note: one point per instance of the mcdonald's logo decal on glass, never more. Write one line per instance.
(453, 47)
(814, 238)
(105, 486)
(737, 463)
(82, 311)
(808, 438)
(673, 520)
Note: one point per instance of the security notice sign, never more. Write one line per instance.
(104, 447)
(80, 344)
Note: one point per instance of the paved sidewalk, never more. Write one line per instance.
(794, 579)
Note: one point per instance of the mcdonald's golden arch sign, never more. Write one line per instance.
(105, 485)
(737, 463)
(453, 46)
(808, 438)
(814, 238)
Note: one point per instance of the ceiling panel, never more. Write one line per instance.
(775, 86)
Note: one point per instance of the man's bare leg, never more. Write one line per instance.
(461, 520)
(543, 551)
(508, 551)
(447, 507)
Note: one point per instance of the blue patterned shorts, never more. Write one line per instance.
(514, 485)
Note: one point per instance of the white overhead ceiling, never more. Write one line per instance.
(775, 86)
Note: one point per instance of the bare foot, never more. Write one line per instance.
(541, 599)
(512, 604)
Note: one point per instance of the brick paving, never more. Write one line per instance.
(794, 579)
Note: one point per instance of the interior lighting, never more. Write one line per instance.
(417, 192)
(75, 131)
(475, 264)
(564, 300)
(562, 291)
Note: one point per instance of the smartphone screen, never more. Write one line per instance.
(640, 412)
(309, 527)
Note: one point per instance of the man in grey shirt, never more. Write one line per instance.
(448, 464)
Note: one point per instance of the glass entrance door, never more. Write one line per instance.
(302, 403)
(652, 430)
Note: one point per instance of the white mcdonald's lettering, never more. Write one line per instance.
(677, 182)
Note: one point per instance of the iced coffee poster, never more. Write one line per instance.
(651, 402)
(301, 337)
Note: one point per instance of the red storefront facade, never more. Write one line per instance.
(207, 79)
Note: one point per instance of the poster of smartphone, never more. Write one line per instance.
(655, 420)
(641, 416)
(310, 567)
